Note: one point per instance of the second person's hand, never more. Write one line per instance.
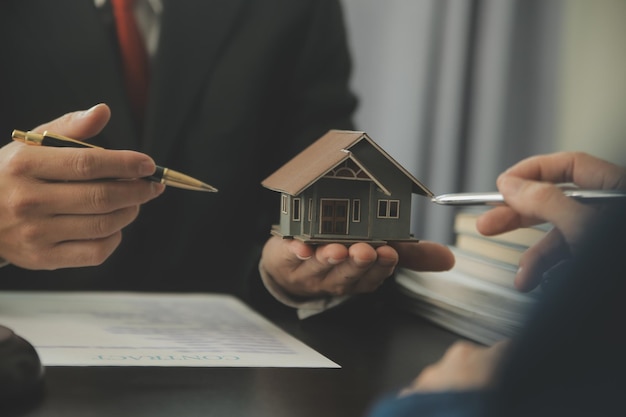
(464, 366)
(532, 196)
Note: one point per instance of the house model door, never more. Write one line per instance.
(334, 217)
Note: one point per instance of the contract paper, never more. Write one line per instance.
(139, 329)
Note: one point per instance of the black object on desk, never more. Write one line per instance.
(21, 371)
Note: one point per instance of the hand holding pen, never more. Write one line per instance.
(57, 208)
(530, 189)
(163, 175)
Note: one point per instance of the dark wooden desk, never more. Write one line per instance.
(379, 347)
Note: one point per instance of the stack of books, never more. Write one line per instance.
(476, 298)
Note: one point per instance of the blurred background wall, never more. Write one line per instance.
(458, 90)
(592, 113)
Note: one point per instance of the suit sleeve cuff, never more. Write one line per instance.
(3, 262)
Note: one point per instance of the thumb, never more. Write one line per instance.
(79, 124)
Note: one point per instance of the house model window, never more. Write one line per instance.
(388, 209)
(296, 210)
(354, 191)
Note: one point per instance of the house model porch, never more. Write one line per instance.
(344, 188)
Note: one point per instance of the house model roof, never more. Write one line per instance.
(322, 156)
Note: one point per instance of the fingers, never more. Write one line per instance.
(285, 254)
(332, 269)
(66, 207)
(339, 270)
(539, 258)
(281, 259)
(70, 228)
(363, 271)
(424, 256)
(39, 221)
(80, 253)
(580, 168)
(77, 164)
(80, 197)
(500, 219)
(531, 196)
(530, 202)
(71, 164)
(79, 124)
(464, 366)
(544, 201)
(335, 269)
(75, 241)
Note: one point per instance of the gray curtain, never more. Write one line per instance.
(456, 90)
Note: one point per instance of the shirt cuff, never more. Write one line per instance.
(305, 308)
(3, 262)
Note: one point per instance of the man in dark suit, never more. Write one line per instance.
(236, 89)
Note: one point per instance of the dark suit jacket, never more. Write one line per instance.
(238, 87)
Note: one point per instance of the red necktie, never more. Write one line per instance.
(134, 55)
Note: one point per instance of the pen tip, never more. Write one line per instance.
(209, 188)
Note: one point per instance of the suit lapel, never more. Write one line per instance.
(180, 69)
(88, 63)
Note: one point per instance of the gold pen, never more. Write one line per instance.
(163, 175)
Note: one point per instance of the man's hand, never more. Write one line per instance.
(66, 207)
(334, 269)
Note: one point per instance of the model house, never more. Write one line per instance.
(344, 188)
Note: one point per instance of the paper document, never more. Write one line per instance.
(140, 329)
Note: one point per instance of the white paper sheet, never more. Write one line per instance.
(139, 329)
